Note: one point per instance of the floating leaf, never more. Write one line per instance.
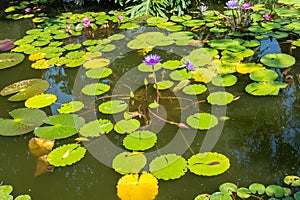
(171, 64)
(146, 68)
(163, 85)
(275, 191)
(131, 186)
(220, 196)
(265, 88)
(220, 98)
(116, 37)
(127, 126)
(245, 68)
(257, 188)
(71, 107)
(243, 193)
(153, 21)
(67, 154)
(71, 47)
(6, 189)
(113, 106)
(202, 121)
(169, 166)
(63, 126)
(228, 188)
(204, 75)
(179, 75)
(25, 89)
(96, 63)
(292, 180)
(140, 140)
(279, 60)
(10, 59)
(25, 120)
(98, 73)
(23, 197)
(94, 89)
(208, 164)
(263, 75)
(194, 89)
(96, 128)
(127, 162)
(40, 146)
(40, 101)
(202, 197)
(224, 80)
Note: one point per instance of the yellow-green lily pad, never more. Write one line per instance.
(10, 59)
(40, 101)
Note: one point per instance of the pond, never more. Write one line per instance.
(260, 135)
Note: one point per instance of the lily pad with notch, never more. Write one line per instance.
(263, 75)
(194, 89)
(96, 128)
(127, 126)
(129, 162)
(40, 101)
(220, 98)
(140, 140)
(278, 60)
(70, 107)
(94, 89)
(265, 88)
(8, 60)
(113, 106)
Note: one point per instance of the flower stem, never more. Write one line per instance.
(156, 85)
(234, 19)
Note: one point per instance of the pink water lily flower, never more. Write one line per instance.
(246, 6)
(27, 10)
(120, 17)
(86, 22)
(68, 28)
(267, 16)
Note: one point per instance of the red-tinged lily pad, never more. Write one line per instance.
(6, 45)
(63, 126)
(67, 154)
(25, 120)
(10, 59)
(208, 164)
(25, 89)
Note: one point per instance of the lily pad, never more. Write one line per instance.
(70, 107)
(116, 37)
(41, 64)
(127, 162)
(169, 166)
(275, 191)
(257, 188)
(292, 180)
(25, 120)
(40, 101)
(140, 140)
(265, 88)
(224, 80)
(8, 60)
(245, 68)
(94, 89)
(208, 164)
(243, 193)
(163, 85)
(75, 62)
(113, 106)
(23, 197)
(96, 128)
(204, 75)
(96, 63)
(220, 98)
(127, 126)
(98, 73)
(63, 126)
(25, 89)
(220, 196)
(179, 75)
(67, 154)
(228, 188)
(171, 64)
(194, 89)
(263, 75)
(202, 121)
(146, 68)
(279, 60)
(71, 47)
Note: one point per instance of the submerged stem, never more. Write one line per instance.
(156, 85)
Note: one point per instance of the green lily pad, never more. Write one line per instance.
(96, 63)
(113, 106)
(61, 36)
(98, 73)
(71, 47)
(228, 188)
(127, 162)
(25, 89)
(94, 89)
(279, 60)
(292, 180)
(223, 43)
(40, 43)
(275, 191)
(129, 26)
(63, 126)
(23, 197)
(67, 154)
(8, 60)
(251, 43)
(25, 120)
(202, 121)
(257, 188)
(127, 126)
(220, 196)
(153, 21)
(75, 62)
(146, 68)
(116, 37)
(90, 42)
(179, 75)
(138, 44)
(193, 22)
(75, 54)
(96, 128)
(194, 89)
(265, 88)
(296, 43)
(224, 80)
(218, 30)
(243, 193)
(104, 48)
(220, 98)
(169, 166)
(40, 101)
(10, 9)
(245, 68)
(163, 85)
(140, 140)
(263, 75)
(182, 35)
(171, 64)
(208, 164)
(198, 57)
(70, 107)
(41, 64)
(202, 197)
(5, 189)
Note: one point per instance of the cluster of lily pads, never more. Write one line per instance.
(229, 191)
(5, 193)
(71, 40)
